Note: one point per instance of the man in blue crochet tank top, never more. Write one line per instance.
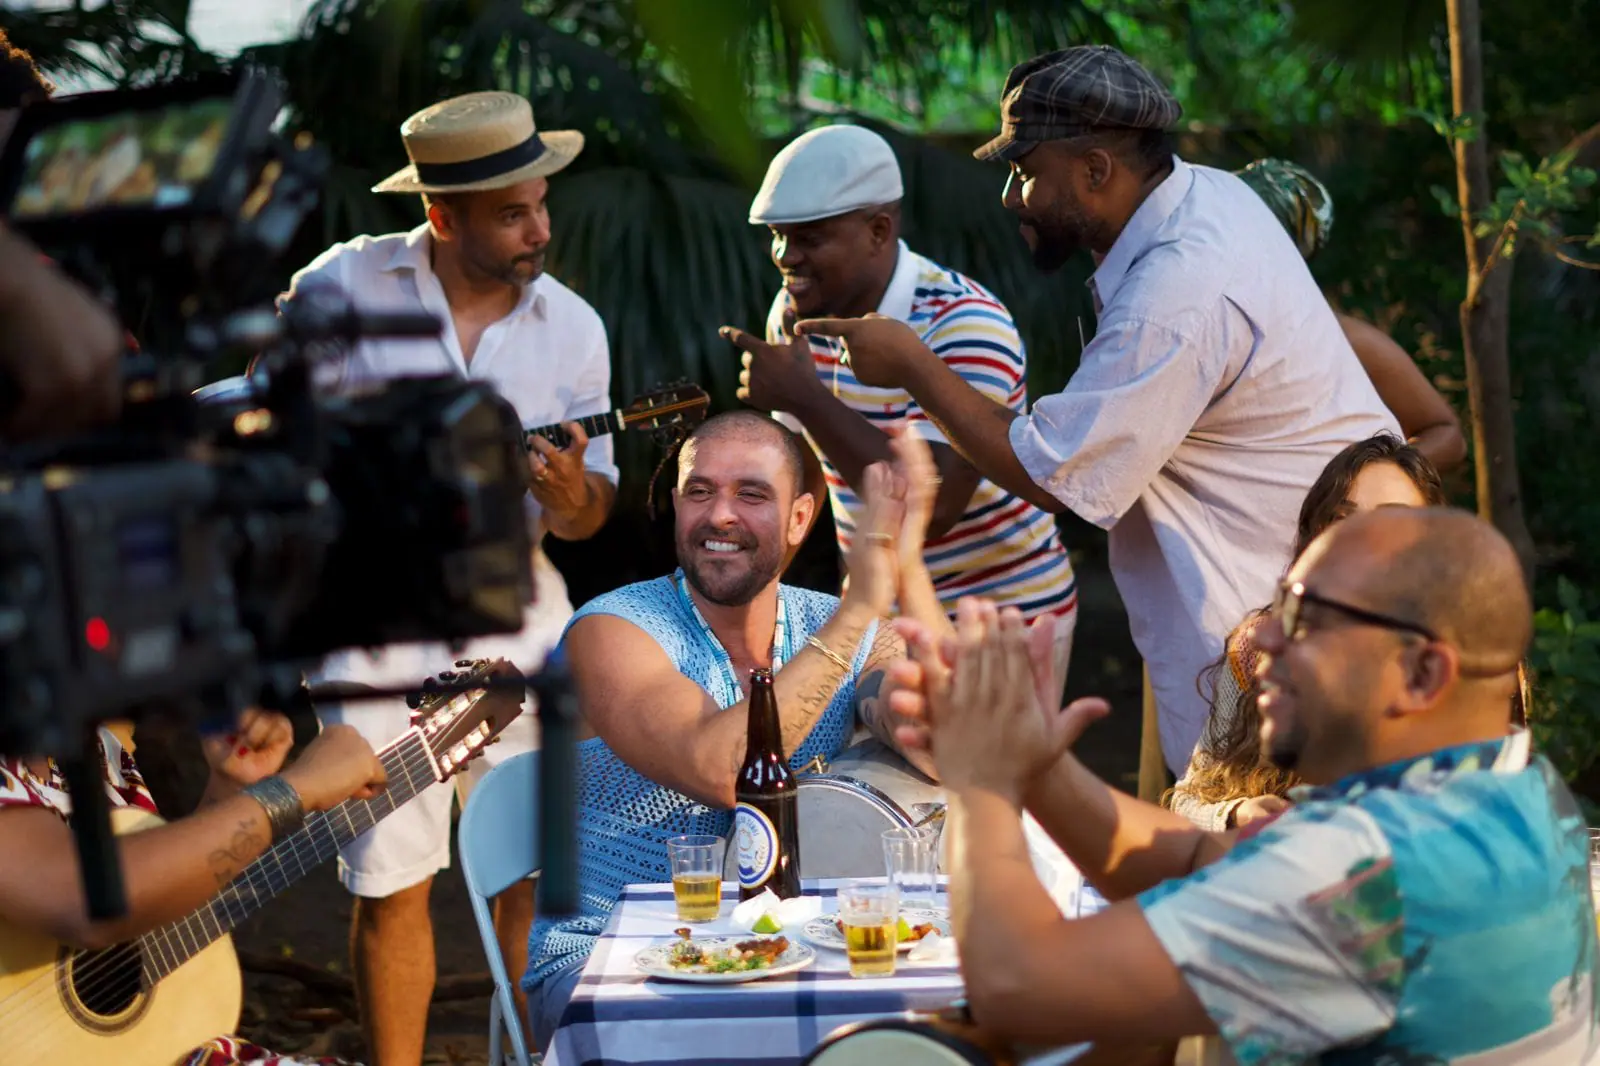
(661, 665)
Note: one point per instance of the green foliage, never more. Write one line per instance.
(1565, 661)
(650, 223)
(1532, 202)
(126, 42)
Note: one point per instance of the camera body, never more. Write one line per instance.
(199, 555)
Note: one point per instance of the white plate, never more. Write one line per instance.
(822, 931)
(653, 961)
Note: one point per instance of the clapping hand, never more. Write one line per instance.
(984, 701)
(873, 562)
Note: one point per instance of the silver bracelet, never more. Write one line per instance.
(285, 812)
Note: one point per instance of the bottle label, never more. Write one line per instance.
(756, 845)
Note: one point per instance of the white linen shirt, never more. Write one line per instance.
(548, 357)
(1216, 389)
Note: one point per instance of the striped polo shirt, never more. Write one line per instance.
(1003, 548)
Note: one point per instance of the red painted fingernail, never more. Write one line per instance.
(243, 750)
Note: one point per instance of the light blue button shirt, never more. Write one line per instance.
(1216, 389)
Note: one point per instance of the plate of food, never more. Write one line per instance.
(827, 930)
(723, 959)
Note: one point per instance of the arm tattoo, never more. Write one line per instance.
(245, 845)
(869, 707)
(813, 702)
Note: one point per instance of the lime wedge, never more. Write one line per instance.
(902, 931)
(766, 924)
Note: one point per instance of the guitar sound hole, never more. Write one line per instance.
(108, 982)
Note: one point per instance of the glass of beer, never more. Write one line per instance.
(696, 863)
(870, 913)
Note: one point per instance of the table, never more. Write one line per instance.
(618, 1016)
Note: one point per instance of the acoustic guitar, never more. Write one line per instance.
(154, 999)
(668, 409)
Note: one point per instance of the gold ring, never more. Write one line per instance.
(879, 538)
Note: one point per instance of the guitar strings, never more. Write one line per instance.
(262, 871)
(96, 978)
(257, 875)
(98, 974)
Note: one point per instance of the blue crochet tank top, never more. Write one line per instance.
(624, 819)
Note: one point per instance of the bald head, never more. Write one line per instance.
(745, 428)
(1441, 568)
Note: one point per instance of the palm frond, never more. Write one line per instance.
(134, 42)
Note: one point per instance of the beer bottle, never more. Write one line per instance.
(766, 826)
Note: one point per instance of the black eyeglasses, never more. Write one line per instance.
(1293, 596)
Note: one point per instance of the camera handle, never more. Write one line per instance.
(558, 785)
(98, 860)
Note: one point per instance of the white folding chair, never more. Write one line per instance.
(498, 840)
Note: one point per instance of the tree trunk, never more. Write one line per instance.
(1485, 314)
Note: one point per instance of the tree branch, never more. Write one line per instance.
(1582, 264)
(1581, 141)
(1492, 257)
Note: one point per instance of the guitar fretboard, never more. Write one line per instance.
(593, 426)
(409, 769)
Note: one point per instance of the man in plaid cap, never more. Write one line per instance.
(1216, 388)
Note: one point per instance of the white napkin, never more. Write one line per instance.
(793, 913)
(788, 913)
(746, 914)
(934, 948)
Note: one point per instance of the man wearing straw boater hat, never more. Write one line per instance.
(477, 262)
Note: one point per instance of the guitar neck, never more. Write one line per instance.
(593, 426)
(410, 769)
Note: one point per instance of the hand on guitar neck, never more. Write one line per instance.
(171, 869)
(338, 765)
(165, 978)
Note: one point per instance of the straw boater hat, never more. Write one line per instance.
(478, 141)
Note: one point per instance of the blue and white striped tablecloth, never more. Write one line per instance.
(618, 1016)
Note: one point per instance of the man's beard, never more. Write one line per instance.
(1059, 236)
(1284, 749)
(729, 585)
(513, 271)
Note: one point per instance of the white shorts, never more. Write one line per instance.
(413, 843)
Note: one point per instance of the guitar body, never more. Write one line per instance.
(152, 1001)
(62, 1006)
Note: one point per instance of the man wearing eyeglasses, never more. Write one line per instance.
(1424, 900)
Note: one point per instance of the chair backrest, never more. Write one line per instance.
(498, 837)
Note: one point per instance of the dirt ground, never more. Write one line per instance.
(309, 924)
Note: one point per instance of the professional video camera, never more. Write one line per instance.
(195, 558)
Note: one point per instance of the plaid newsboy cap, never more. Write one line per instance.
(1077, 91)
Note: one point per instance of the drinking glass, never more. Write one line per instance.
(912, 858)
(696, 863)
(870, 912)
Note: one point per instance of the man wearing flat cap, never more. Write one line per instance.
(1217, 386)
(831, 199)
(477, 263)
